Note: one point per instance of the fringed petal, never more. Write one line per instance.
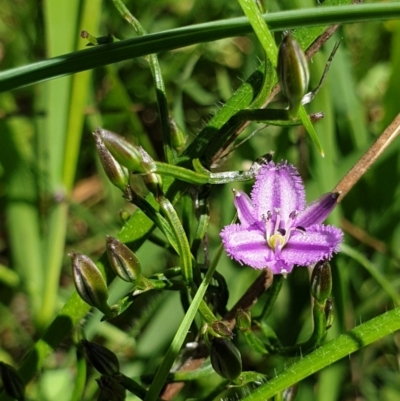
(317, 243)
(278, 187)
(247, 246)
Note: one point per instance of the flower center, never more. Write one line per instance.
(278, 231)
(276, 240)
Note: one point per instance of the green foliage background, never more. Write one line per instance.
(55, 198)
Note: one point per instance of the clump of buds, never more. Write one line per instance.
(90, 283)
(123, 151)
(134, 158)
(123, 261)
(103, 360)
(293, 73)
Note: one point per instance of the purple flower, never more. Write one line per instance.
(277, 230)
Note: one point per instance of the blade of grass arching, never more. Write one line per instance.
(181, 37)
(22, 217)
(267, 41)
(161, 94)
(61, 27)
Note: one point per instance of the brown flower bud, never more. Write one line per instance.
(225, 358)
(103, 360)
(117, 174)
(89, 282)
(293, 73)
(123, 261)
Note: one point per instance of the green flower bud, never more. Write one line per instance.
(293, 73)
(178, 138)
(110, 389)
(124, 215)
(89, 282)
(243, 320)
(225, 358)
(123, 261)
(117, 174)
(124, 152)
(12, 382)
(329, 312)
(321, 281)
(103, 360)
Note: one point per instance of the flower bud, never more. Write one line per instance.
(12, 382)
(124, 152)
(123, 261)
(110, 389)
(89, 282)
(293, 73)
(117, 174)
(124, 215)
(321, 281)
(153, 183)
(103, 360)
(221, 329)
(243, 320)
(329, 312)
(178, 138)
(225, 358)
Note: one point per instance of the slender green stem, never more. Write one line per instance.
(336, 349)
(132, 386)
(153, 43)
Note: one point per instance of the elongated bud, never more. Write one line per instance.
(225, 358)
(89, 282)
(329, 312)
(178, 138)
(111, 389)
(321, 281)
(103, 360)
(117, 174)
(123, 151)
(123, 261)
(243, 320)
(12, 382)
(293, 73)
